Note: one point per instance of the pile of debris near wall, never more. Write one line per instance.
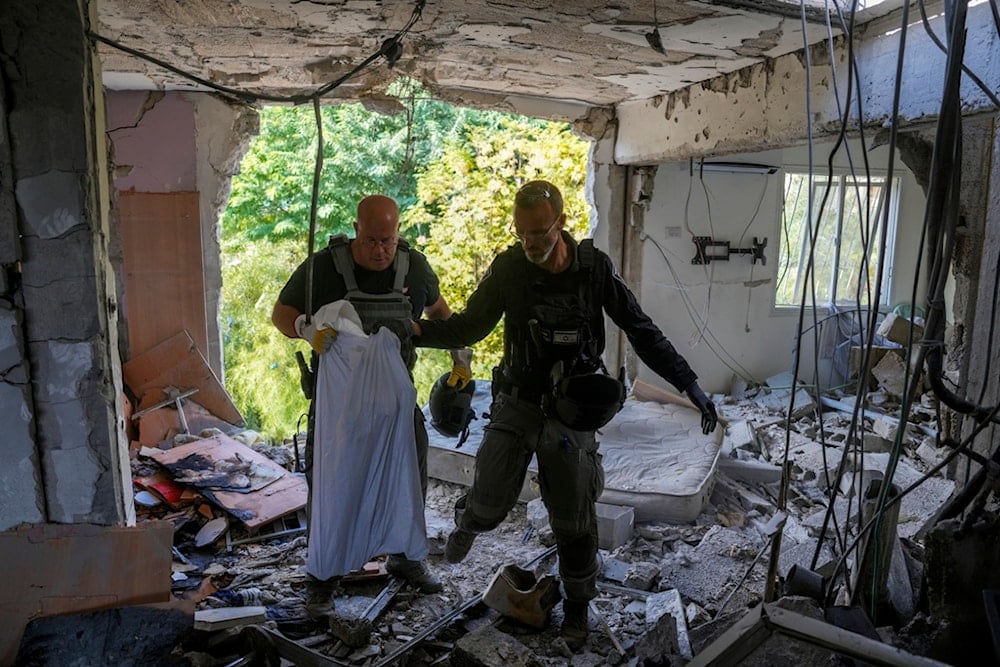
(834, 529)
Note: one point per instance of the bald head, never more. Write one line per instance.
(376, 232)
(378, 208)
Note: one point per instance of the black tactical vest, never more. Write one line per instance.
(373, 307)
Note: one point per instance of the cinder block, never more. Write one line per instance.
(888, 425)
(872, 442)
(890, 372)
(897, 329)
(537, 515)
(614, 525)
(739, 435)
(857, 354)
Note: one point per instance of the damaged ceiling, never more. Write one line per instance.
(481, 53)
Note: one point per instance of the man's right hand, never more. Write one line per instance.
(319, 338)
(709, 417)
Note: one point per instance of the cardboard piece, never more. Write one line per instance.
(176, 362)
(285, 494)
(897, 329)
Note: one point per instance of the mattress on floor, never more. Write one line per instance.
(656, 459)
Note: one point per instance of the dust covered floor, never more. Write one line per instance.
(714, 566)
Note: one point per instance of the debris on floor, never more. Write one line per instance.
(767, 549)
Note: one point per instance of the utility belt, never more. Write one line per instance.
(517, 393)
(501, 385)
(583, 402)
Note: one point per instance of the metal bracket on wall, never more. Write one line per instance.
(707, 249)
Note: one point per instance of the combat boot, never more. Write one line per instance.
(576, 624)
(319, 598)
(458, 545)
(414, 572)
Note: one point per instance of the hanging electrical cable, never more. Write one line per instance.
(939, 223)
(771, 580)
(943, 205)
(391, 49)
(874, 296)
(937, 42)
(313, 203)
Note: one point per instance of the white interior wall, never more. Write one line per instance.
(743, 332)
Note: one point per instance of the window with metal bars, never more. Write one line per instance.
(832, 239)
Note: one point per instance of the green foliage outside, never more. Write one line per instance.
(465, 202)
(845, 258)
(453, 171)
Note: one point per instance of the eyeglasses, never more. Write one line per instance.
(531, 236)
(388, 243)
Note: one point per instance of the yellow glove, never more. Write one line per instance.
(461, 370)
(321, 337)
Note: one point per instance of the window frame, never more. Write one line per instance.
(842, 177)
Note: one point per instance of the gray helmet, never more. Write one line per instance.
(451, 409)
(586, 402)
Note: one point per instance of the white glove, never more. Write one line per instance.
(461, 370)
(320, 337)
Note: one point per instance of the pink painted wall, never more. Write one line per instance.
(154, 147)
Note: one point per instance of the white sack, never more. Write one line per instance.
(366, 497)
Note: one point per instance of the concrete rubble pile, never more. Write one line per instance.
(670, 593)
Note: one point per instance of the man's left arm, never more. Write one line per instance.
(652, 346)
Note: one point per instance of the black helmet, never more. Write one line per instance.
(586, 402)
(451, 409)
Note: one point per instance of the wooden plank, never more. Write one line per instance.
(649, 392)
(176, 362)
(286, 495)
(164, 276)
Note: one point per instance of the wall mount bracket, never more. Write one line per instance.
(706, 249)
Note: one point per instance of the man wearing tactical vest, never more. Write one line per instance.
(387, 282)
(551, 391)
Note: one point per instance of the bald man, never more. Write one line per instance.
(385, 279)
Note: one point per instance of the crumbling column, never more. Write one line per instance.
(68, 462)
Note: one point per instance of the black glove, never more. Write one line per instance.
(402, 327)
(709, 418)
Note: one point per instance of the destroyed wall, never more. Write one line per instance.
(63, 455)
(174, 155)
(744, 333)
(972, 338)
(738, 115)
